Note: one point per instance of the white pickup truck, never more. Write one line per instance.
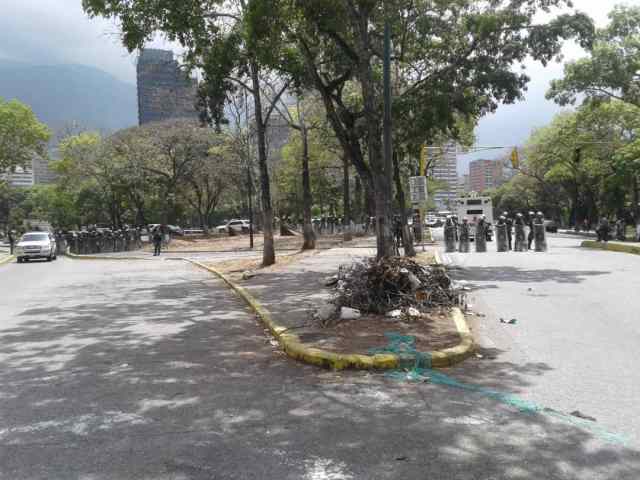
(473, 207)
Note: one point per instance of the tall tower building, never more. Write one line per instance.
(444, 167)
(164, 91)
(485, 174)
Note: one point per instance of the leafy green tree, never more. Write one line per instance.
(22, 136)
(219, 39)
(611, 69)
(451, 59)
(214, 174)
(583, 165)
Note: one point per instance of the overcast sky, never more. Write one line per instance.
(58, 31)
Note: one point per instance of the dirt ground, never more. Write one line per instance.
(236, 267)
(433, 331)
(241, 243)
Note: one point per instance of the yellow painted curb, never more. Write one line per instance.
(98, 257)
(292, 346)
(7, 259)
(612, 247)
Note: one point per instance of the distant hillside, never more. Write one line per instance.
(61, 95)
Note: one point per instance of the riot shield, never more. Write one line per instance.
(464, 238)
(450, 238)
(539, 238)
(481, 238)
(502, 242)
(521, 239)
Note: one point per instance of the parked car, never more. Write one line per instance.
(176, 230)
(433, 222)
(36, 245)
(551, 226)
(238, 226)
(173, 229)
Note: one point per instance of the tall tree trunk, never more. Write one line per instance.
(407, 237)
(636, 200)
(309, 235)
(357, 207)
(346, 218)
(382, 184)
(268, 253)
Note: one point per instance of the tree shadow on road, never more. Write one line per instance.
(177, 380)
(520, 275)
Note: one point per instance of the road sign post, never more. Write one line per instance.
(418, 193)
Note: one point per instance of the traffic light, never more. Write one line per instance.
(515, 159)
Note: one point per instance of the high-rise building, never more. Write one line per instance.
(464, 185)
(444, 167)
(485, 174)
(165, 91)
(41, 171)
(20, 177)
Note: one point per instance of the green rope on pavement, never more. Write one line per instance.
(405, 347)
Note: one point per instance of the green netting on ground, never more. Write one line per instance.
(404, 346)
(420, 371)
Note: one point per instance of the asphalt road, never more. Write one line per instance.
(578, 326)
(153, 370)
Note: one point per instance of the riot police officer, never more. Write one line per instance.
(620, 230)
(509, 223)
(530, 218)
(481, 234)
(501, 234)
(520, 245)
(449, 235)
(539, 233)
(464, 236)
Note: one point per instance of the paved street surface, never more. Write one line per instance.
(153, 370)
(577, 334)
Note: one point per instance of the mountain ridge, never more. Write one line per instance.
(71, 94)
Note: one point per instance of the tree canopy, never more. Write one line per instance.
(22, 136)
(612, 68)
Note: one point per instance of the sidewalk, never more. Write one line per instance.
(294, 292)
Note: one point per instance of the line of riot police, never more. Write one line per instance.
(103, 240)
(518, 234)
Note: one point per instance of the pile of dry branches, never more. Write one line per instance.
(378, 286)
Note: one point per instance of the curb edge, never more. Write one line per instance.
(611, 247)
(7, 259)
(292, 346)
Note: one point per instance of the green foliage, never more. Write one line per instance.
(583, 165)
(22, 136)
(611, 69)
(325, 167)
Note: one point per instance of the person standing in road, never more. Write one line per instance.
(464, 236)
(530, 218)
(603, 230)
(509, 223)
(481, 234)
(520, 236)
(540, 237)
(450, 235)
(12, 242)
(157, 241)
